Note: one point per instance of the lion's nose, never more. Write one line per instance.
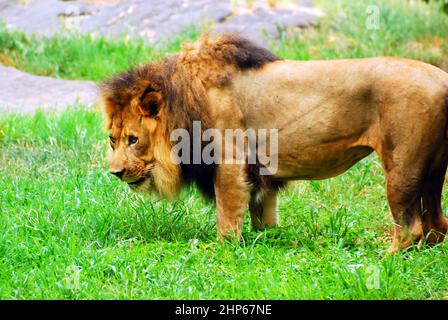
(118, 174)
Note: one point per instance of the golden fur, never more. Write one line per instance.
(329, 115)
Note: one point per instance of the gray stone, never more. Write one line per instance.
(23, 92)
(155, 20)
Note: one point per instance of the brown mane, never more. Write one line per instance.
(183, 80)
(183, 77)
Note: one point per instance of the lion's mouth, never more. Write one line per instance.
(137, 182)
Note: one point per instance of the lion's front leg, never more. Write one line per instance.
(232, 197)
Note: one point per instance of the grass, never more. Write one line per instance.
(407, 29)
(415, 30)
(73, 231)
(79, 56)
(70, 230)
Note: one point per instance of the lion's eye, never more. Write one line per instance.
(112, 139)
(132, 140)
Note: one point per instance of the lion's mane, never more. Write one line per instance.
(183, 80)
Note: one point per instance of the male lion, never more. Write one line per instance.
(329, 115)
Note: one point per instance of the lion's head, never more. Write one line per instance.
(139, 152)
(144, 105)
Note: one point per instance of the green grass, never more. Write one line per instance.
(80, 56)
(416, 31)
(71, 230)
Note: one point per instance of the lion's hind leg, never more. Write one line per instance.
(414, 182)
(404, 197)
(435, 225)
(404, 170)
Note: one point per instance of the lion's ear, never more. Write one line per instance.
(150, 102)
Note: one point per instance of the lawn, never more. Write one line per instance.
(71, 230)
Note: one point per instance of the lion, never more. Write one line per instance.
(328, 114)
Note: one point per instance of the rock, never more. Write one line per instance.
(155, 20)
(23, 92)
(263, 22)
